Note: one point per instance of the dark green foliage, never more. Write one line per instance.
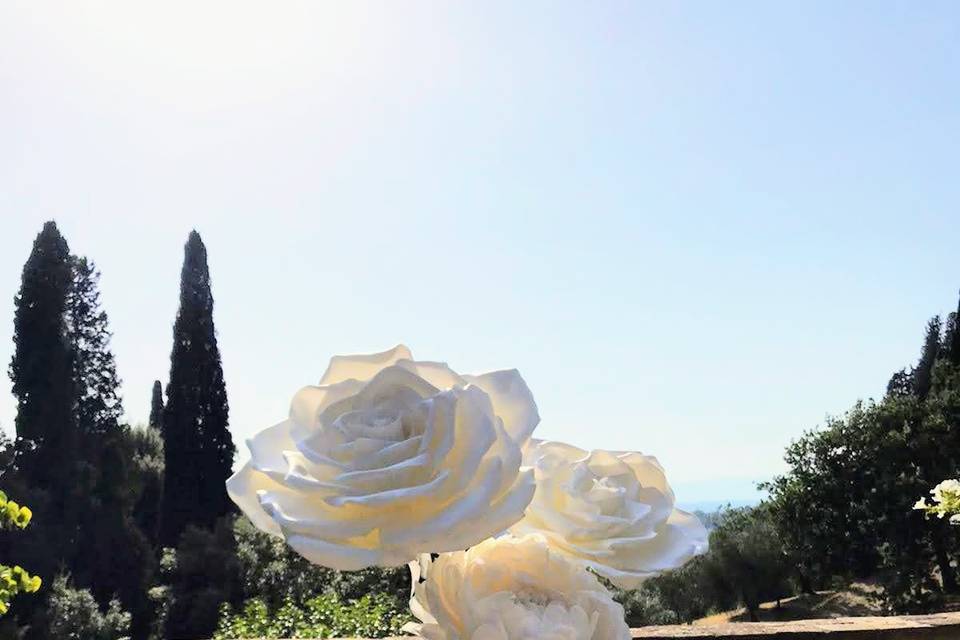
(901, 383)
(644, 606)
(747, 558)
(45, 470)
(106, 454)
(156, 406)
(746, 564)
(689, 592)
(206, 573)
(198, 447)
(115, 534)
(286, 596)
(97, 407)
(271, 571)
(923, 374)
(74, 613)
(74, 460)
(42, 366)
(845, 506)
(951, 340)
(237, 563)
(146, 445)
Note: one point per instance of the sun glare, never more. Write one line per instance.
(213, 53)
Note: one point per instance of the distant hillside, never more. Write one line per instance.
(709, 495)
(710, 506)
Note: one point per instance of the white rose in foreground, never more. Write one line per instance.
(513, 589)
(610, 511)
(388, 458)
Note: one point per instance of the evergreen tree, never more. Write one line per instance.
(106, 484)
(97, 407)
(156, 405)
(42, 366)
(901, 384)
(952, 339)
(198, 448)
(923, 373)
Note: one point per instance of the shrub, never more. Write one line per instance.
(73, 614)
(376, 615)
(644, 606)
(274, 573)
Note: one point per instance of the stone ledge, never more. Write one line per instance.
(939, 626)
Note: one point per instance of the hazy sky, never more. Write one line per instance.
(696, 228)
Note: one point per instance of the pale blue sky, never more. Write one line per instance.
(696, 228)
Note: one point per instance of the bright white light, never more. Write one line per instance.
(203, 55)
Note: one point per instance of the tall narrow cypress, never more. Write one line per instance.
(42, 365)
(98, 408)
(952, 341)
(198, 448)
(156, 405)
(923, 374)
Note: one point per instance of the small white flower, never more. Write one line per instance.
(944, 488)
(513, 589)
(611, 511)
(388, 458)
(921, 504)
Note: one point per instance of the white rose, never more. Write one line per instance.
(944, 489)
(610, 511)
(513, 589)
(388, 458)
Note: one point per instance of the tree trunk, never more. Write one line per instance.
(943, 561)
(805, 585)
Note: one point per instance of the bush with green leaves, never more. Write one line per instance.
(376, 615)
(845, 506)
(273, 572)
(643, 606)
(15, 579)
(73, 614)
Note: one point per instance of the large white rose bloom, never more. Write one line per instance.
(512, 589)
(611, 511)
(388, 458)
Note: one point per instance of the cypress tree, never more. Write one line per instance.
(42, 365)
(198, 448)
(923, 373)
(98, 408)
(105, 456)
(156, 405)
(952, 341)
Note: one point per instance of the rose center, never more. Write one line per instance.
(383, 423)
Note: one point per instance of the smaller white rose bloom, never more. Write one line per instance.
(388, 458)
(512, 589)
(610, 511)
(944, 489)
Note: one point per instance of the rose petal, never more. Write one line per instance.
(512, 400)
(242, 487)
(362, 367)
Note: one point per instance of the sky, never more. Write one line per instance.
(696, 228)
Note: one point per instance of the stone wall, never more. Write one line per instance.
(940, 626)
